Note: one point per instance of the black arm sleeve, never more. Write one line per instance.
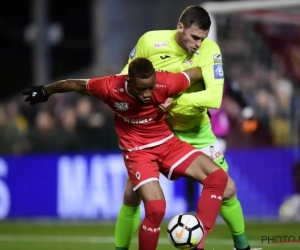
(234, 91)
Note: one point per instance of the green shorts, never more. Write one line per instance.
(203, 138)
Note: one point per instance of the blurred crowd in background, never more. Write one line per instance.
(256, 54)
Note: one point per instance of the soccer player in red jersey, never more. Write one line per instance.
(148, 145)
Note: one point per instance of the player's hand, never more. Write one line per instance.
(35, 94)
(163, 107)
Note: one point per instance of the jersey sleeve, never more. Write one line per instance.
(178, 82)
(140, 50)
(213, 76)
(99, 87)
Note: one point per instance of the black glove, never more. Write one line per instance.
(36, 94)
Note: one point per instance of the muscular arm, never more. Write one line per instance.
(41, 93)
(209, 98)
(195, 74)
(69, 85)
(213, 77)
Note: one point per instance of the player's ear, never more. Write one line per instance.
(180, 27)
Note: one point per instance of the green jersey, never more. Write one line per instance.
(189, 110)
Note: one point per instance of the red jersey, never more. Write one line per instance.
(139, 125)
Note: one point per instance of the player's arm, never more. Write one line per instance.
(182, 80)
(41, 93)
(194, 74)
(213, 77)
(140, 50)
(180, 83)
(68, 85)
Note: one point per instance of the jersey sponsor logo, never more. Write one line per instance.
(217, 58)
(218, 71)
(136, 120)
(160, 45)
(214, 154)
(121, 106)
(132, 53)
(165, 57)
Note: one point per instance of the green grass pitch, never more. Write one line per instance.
(60, 235)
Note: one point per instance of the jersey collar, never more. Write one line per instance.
(126, 88)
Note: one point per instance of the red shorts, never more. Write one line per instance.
(171, 158)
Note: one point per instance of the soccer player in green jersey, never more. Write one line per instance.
(177, 50)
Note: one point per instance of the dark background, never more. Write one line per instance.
(70, 54)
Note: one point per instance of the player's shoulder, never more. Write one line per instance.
(209, 44)
(157, 36)
(209, 48)
(162, 76)
(117, 80)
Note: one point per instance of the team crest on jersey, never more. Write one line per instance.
(121, 106)
(132, 53)
(189, 62)
(160, 45)
(217, 58)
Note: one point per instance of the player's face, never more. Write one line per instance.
(142, 88)
(190, 39)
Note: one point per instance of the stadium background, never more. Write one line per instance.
(61, 174)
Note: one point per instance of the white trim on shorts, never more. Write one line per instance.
(144, 182)
(180, 161)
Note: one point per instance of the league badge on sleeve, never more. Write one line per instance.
(132, 53)
(217, 58)
(218, 71)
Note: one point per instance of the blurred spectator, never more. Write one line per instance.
(293, 60)
(89, 125)
(45, 135)
(70, 140)
(13, 129)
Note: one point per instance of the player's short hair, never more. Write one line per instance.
(140, 67)
(197, 15)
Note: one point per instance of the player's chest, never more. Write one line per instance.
(168, 60)
(133, 108)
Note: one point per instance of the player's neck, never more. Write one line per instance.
(177, 40)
